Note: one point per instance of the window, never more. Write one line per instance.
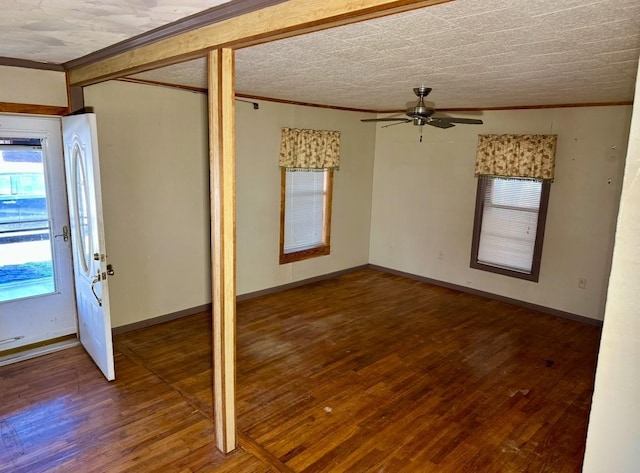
(305, 214)
(509, 226)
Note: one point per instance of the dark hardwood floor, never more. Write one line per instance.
(368, 372)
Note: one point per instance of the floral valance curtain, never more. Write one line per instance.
(521, 156)
(309, 150)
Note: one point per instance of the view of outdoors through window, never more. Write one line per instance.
(26, 267)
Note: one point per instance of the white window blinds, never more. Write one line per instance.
(509, 223)
(304, 210)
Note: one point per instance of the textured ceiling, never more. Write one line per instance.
(473, 53)
(58, 31)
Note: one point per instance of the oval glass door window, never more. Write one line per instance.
(81, 209)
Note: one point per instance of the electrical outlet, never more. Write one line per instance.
(582, 283)
(441, 254)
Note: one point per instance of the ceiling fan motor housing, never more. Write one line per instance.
(420, 111)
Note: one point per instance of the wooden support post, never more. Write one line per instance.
(223, 235)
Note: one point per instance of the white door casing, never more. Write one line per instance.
(87, 234)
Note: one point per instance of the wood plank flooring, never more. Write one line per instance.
(368, 372)
(58, 414)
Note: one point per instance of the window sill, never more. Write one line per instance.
(533, 276)
(304, 254)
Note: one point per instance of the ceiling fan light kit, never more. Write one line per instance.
(421, 115)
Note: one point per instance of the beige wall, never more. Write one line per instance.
(258, 189)
(32, 86)
(424, 196)
(154, 163)
(613, 440)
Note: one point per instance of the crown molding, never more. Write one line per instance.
(25, 63)
(32, 109)
(202, 90)
(522, 107)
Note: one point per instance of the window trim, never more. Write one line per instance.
(534, 275)
(325, 248)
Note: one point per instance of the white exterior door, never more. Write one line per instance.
(87, 233)
(36, 279)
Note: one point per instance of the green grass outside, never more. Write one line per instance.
(25, 272)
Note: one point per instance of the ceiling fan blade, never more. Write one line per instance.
(468, 121)
(384, 119)
(439, 123)
(393, 124)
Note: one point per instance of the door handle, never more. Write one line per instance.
(101, 277)
(95, 281)
(64, 234)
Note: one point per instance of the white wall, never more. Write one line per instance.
(154, 163)
(424, 196)
(32, 86)
(613, 439)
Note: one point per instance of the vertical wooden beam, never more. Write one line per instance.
(76, 99)
(223, 236)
